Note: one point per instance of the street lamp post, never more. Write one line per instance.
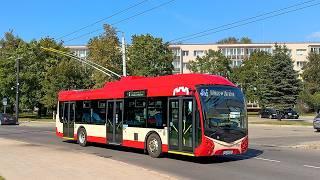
(17, 89)
(123, 49)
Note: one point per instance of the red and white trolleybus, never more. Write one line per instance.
(188, 114)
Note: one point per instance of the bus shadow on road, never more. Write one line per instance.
(251, 153)
(110, 147)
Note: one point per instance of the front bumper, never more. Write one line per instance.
(213, 147)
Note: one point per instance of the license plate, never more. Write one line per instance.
(227, 152)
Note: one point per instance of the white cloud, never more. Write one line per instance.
(314, 35)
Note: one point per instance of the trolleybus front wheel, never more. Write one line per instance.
(154, 145)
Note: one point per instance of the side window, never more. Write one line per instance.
(157, 110)
(98, 112)
(135, 112)
(79, 110)
(86, 112)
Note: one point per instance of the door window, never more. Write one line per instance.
(187, 121)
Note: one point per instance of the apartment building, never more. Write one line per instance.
(79, 50)
(184, 53)
(239, 52)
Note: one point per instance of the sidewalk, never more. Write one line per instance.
(19, 160)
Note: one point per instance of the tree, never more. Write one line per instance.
(229, 40)
(233, 40)
(254, 76)
(245, 40)
(66, 75)
(8, 54)
(310, 75)
(149, 56)
(214, 62)
(105, 51)
(59, 72)
(285, 83)
(270, 78)
(40, 72)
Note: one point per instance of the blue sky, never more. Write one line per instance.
(34, 19)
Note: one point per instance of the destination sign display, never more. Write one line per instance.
(136, 93)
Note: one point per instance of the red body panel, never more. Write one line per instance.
(155, 86)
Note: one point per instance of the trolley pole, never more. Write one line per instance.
(17, 89)
(124, 68)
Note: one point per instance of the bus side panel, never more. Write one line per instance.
(95, 133)
(135, 137)
(59, 126)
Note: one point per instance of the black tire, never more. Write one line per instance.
(154, 145)
(286, 116)
(82, 137)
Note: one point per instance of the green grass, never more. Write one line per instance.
(38, 119)
(283, 122)
(2, 178)
(34, 117)
(308, 114)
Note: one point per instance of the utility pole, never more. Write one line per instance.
(124, 68)
(17, 89)
(181, 61)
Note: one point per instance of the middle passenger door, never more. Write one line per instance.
(114, 121)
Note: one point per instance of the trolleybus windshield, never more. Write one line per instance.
(224, 111)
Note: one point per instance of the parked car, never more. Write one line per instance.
(7, 119)
(316, 123)
(289, 114)
(270, 113)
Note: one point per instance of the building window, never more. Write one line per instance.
(176, 64)
(236, 63)
(176, 52)
(300, 52)
(185, 65)
(198, 53)
(185, 53)
(300, 64)
(315, 50)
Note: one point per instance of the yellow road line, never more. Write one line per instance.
(181, 153)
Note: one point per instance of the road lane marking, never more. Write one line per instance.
(264, 159)
(309, 166)
(258, 158)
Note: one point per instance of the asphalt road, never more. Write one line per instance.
(269, 157)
